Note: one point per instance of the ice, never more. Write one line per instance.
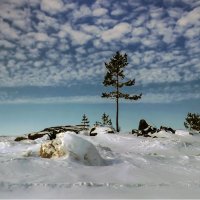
(119, 166)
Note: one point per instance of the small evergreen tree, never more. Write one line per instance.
(192, 121)
(97, 123)
(114, 76)
(104, 119)
(109, 122)
(85, 121)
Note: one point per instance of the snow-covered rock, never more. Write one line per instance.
(127, 166)
(75, 147)
(182, 132)
(52, 149)
(162, 134)
(101, 130)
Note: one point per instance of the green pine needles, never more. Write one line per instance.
(192, 121)
(115, 78)
(85, 121)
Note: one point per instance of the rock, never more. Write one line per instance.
(60, 129)
(145, 128)
(167, 129)
(20, 138)
(135, 131)
(51, 132)
(36, 135)
(92, 131)
(95, 130)
(142, 125)
(73, 147)
(52, 149)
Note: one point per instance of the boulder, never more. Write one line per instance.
(51, 132)
(144, 128)
(61, 129)
(36, 135)
(135, 131)
(164, 128)
(20, 138)
(52, 149)
(73, 147)
(142, 125)
(92, 131)
(98, 129)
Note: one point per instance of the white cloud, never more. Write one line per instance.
(6, 44)
(117, 12)
(99, 12)
(92, 29)
(77, 36)
(190, 18)
(150, 97)
(42, 37)
(83, 11)
(8, 31)
(52, 6)
(140, 31)
(167, 97)
(117, 32)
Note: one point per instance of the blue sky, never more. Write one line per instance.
(52, 56)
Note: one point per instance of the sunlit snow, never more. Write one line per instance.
(120, 166)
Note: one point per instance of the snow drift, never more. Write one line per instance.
(72, 146)
(102, 166)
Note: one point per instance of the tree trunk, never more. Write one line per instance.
(117, 102)
(117, 115)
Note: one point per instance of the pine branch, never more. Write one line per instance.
(127, 83)
(111, 95)
(130, 97)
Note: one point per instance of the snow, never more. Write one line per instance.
(103, 166)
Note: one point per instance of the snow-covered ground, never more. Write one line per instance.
(119, 166)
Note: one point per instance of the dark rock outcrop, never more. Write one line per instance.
(51, 132)
(34, 136)
(146, 130)
(108, 130)
(20, 138)
(167, 129)
(142, 125)
(92, 131)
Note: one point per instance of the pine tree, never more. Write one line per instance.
(85, 121)
(97, 123)
(192, 121)
(114, 76)
(104, 119)
(109, 122)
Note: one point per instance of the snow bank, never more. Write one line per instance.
(72, 146)
(103, 166)
(182, 133)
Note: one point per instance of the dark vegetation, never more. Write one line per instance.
(192, 122)
(115, 77)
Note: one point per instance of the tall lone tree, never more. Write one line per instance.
(114, 77)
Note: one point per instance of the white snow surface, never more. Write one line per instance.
(120, 166)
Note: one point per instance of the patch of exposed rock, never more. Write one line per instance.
(74, 147)
(51, 132)
(20, 138)
(108, 130)
(52, 149)
(146, 130)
